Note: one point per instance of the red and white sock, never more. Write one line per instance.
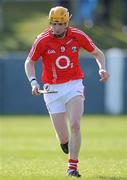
(72, 164)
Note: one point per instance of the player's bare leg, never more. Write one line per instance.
(75, 110)
(60, 125)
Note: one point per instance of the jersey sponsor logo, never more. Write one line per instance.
(63, 62)
(51, 51)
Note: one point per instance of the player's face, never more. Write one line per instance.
(58, 29)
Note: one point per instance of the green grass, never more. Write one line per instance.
(29, 149)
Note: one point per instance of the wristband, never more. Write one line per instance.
(33, 79)
(102, 70)
(34, 82)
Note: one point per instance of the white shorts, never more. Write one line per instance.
(56, 102)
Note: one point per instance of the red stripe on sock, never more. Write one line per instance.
(72, 168)
(73, 161)
(72, 164)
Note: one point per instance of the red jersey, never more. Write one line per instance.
(60, 57)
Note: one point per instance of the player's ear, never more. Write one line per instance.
(66, 24)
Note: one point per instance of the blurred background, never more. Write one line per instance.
(105, 21)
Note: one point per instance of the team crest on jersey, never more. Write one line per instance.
(62, 49)
(74, 49)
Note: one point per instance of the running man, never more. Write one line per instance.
(59, 48)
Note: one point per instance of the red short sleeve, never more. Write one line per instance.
(36, 50)
(85, 41)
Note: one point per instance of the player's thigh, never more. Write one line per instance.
(59, 121)
(75, 107)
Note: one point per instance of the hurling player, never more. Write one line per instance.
(58, 47)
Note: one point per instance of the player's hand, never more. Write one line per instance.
(104, 75)
(35, 90)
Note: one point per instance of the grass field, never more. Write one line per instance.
(29, 149)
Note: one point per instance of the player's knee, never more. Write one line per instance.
(75, 126)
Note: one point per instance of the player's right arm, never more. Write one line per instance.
(30, 73)
(34, 54)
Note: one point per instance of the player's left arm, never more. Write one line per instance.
(100, 59)
(86, 42)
